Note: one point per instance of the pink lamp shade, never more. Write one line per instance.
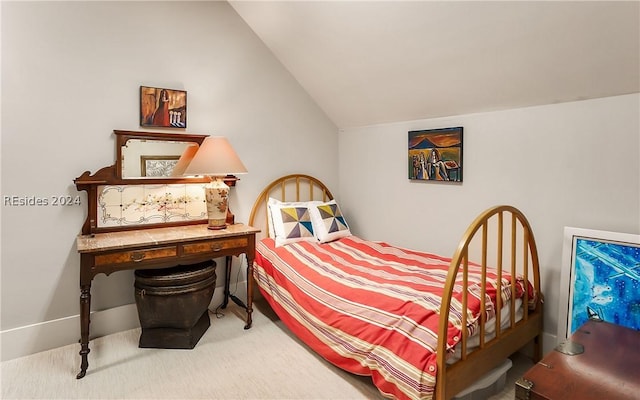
(215, 157)
(184, 160)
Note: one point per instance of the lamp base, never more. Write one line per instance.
(216, 194)
(229, 220)
(216, 227)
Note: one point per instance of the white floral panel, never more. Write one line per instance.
(154, 207)
(186, 202)
(149, 204)
(132, 203)
(196, 204)
(110, 206)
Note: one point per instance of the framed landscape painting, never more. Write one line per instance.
(600, 279)
(435, 155)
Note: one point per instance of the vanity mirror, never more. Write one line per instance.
(120, 197)
(154, 155)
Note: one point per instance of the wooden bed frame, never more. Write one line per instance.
(500, 237)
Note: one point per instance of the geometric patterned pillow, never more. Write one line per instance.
(291, 224)
(273, 203)
(328, 222)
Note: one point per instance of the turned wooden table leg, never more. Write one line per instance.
(227, 281)
(85, 306)
(249, 290)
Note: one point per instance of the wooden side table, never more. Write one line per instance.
(159, 248)
(599, 361)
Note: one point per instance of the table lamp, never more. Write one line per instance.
(216, 159)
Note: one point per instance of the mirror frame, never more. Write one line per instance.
(122, 137)
(112, 175)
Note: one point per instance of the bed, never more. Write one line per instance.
(392, 313)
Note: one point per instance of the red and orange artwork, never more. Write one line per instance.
(165, 108)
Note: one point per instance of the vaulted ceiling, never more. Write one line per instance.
(371, 62)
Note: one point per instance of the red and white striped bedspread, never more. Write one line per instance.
(368, 307)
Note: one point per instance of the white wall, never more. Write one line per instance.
(572, 164)
(71, 73)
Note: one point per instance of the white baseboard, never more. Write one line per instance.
(548, 342)
(30, 339)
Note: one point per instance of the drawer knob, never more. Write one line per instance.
(216, 247)
(137, 256)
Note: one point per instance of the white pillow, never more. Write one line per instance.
(328, 222)
(290, 222)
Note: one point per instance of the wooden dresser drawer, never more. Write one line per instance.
(215, 245)
(136, 255)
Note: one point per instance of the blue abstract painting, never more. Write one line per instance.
(606, 284)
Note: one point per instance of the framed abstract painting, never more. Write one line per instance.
(435, 155)
(600, 279)
(164, 108)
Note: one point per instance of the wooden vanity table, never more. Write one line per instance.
(158, 248)
(153, 225)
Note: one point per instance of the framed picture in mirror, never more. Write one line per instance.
(164, 108)
(158, 166)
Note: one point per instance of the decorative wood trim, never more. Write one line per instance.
(112, 175)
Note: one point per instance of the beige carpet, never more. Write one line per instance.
(264, 362)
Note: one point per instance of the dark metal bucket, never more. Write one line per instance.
(173, 304)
